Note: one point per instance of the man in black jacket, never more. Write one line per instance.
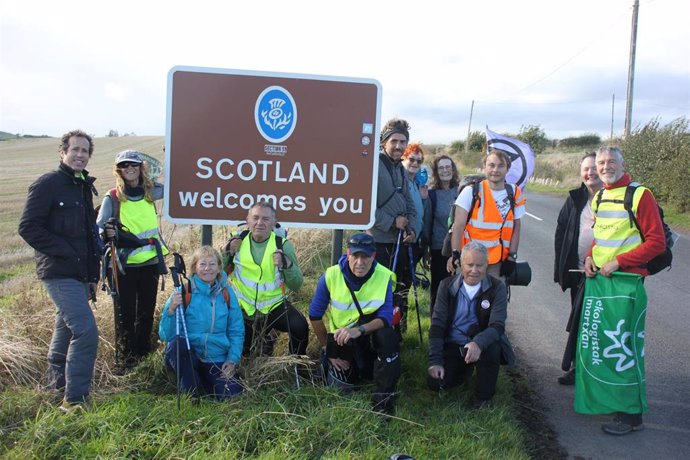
(59, 223)
(467, 328)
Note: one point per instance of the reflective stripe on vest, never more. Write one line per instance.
(140, 219)
(614, 233)
(257, 286)
(485, 224)
(371, 296)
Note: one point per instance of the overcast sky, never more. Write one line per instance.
(103, 65)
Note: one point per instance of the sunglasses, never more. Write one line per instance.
(419, 161)
(128, 164)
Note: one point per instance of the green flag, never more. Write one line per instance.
(610, 347)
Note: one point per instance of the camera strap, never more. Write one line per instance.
(354, 299)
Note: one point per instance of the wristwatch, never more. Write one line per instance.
(456, 255)
(513, 255)
(362, 330)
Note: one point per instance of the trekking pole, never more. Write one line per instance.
(176, 270)
(397, 250)
(285, 305)
(416, 298)
(115, 294)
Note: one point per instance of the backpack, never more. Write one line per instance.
(474, 182)
(664, 259)
(229, 265)
(188, 294)
(112, 193)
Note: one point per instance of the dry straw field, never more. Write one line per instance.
(26, 312)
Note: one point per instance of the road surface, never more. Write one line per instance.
(536, 325)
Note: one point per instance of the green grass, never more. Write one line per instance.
(140, 420)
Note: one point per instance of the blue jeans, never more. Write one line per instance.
(73, 348)
(196, 374)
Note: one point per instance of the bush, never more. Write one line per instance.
(535, 137)
(584, 141)
(659, 158)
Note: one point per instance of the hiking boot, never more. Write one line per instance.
(69, 408)
(568, 378)
(384, 403)
(618, 427)
(479, 404)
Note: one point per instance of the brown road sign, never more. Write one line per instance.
(307, 144)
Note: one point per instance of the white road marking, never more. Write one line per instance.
(534, 217)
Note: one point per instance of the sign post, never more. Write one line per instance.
(306, 144)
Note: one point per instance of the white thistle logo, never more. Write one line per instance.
(275, 117)
(619, 350)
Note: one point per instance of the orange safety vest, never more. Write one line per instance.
(486, 226)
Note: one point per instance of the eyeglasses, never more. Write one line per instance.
(419, 161)
(444, 168)
(128, 164)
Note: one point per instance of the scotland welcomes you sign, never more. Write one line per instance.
(307, 144)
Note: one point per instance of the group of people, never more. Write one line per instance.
(234, 302)
(597, 235)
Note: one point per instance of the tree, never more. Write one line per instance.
(535, 137)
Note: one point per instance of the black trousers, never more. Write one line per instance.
(458, 372)
(385, 255)
(377, 358)
(438, 274)
(138, 289)
(262, 327)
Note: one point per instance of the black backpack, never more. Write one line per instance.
(474, 182)
(664, 259)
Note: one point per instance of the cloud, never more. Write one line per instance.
(115, 92)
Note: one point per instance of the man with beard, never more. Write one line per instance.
(396, 217)
(619, 245)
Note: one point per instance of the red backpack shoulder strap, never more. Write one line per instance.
(226, 296)
(115, 202)
(188, 293)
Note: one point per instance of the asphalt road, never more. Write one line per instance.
(536, 325)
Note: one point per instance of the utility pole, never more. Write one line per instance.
(613, 104)
(631, 68)
(469, 128)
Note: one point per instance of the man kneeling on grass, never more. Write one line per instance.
(356, 296)
(467, 328)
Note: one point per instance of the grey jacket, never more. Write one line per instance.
(392, 200)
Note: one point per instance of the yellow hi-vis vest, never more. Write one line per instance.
(257, 286)
(614, 232)
(371, 296)
(140, 219)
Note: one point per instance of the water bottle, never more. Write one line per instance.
(422, 177)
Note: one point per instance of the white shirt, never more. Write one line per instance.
(464, 200)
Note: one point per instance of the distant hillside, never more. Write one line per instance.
(4, 136)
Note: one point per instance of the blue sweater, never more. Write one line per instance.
(322, 297)
(216, 330)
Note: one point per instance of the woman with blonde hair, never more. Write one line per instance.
(214, 329)
(130, 206)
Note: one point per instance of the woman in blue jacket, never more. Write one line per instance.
(214, 326)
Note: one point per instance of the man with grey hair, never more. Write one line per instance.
(396, 216)
(619, 245)
(468, 328)
(261, 266)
